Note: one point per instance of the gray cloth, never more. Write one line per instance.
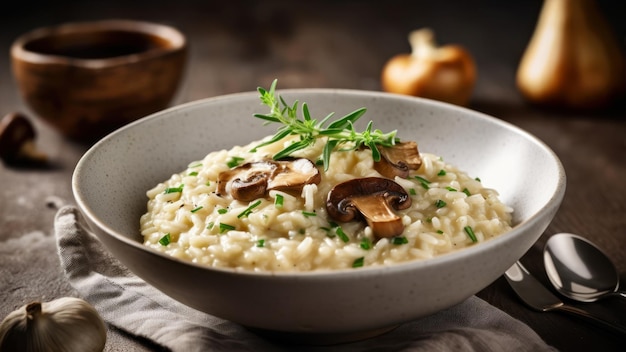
(130, 304)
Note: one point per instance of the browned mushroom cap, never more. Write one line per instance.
(253, 180)
(398, 160)
(375, 198)
(17, 141)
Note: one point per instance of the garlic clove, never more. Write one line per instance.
(446, 73)
(66, 324)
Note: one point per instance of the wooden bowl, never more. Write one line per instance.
(88, 78)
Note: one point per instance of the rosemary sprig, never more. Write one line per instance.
(338, 132)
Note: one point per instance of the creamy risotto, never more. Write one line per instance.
(194, 217)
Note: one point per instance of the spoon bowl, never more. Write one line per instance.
(579, 270)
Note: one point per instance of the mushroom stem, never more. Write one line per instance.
(379, 215)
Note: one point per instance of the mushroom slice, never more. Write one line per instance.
(375, 199)
(253, 180)
(291, 176)
(398, 160)
(17, 141)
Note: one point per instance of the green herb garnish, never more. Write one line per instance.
(226, 227)
(222, 211)
(342, 235)
(451, 189)
(424, 182)
(196, 209)
(412, 191)
(440, 203)
(470, 233)
(467, 192)
(399, 240)
(441, 172)
(234, 162)
(278, 202)
(260, 243)
(366, 243)
(193, 173)
(308, 213)
(358, 262)
(248, 210)
(440, 232)
(165, 240)
(338, 132)
(178, 189)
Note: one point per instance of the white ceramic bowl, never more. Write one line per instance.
(111, 180)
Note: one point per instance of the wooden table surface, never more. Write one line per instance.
(236, 46)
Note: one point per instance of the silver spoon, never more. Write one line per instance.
(579, 270)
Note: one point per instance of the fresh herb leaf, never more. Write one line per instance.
(412, 191)
(248, 210)
(441, 172)
(451, 189)
(470, 232)
(234, 162)
(222, 211)
(165, 240)
(278, 201)
(467, 192)
(178, 189)
(260, 243)
(193, 173)
(440, 203)
(399, 240)
(309, 213)
(226, 227)
(196, 209)
(338, 132)
(358, 262)
(342, 235)
(424, 182)
(366, 243)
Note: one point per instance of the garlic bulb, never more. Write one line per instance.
(66, 324)
(573, 60)
(445, 73)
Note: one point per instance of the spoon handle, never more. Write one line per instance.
(615, 328)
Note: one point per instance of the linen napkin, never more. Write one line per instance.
(131, 305)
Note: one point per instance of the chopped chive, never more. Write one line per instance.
(451, 189)
(308, 213)
(208, 183)
(319, 162)
(399, 240)
(222, 211)
(278, 202)
(329, 233)
(195, 165)
(441, 172)
(260, 243)
(424, 182)
(248, 210)
(466, 191)
(358, 262)
(440, 203)
(412, 191)
(440, 232)
(196, 209)
(234, 162)
(478, 179)
(342, 235)
(193, 173)
(470, 233)
(210, 225)
(178, 189)
(366, 243)
(165, 240)
(429, 220)
(226, 227)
